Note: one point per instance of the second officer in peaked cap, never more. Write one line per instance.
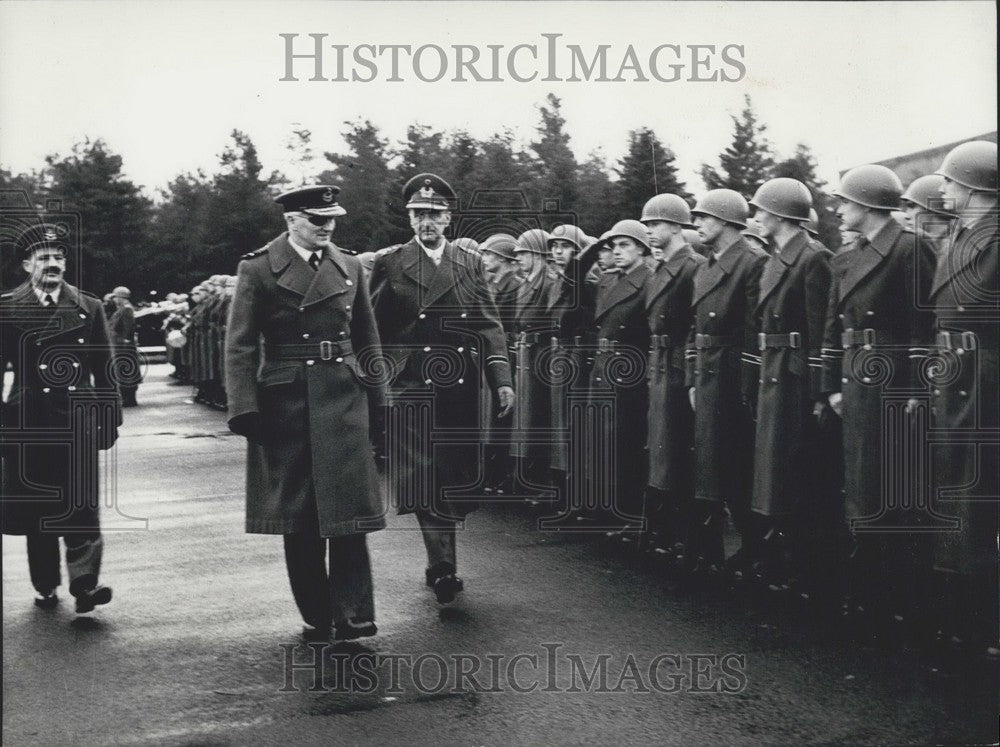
(300, 329)
(439, 326)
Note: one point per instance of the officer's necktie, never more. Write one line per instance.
(314, 260)
(47, 300)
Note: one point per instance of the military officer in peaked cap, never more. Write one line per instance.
(53, 422)
(300, 340)
(439, 325)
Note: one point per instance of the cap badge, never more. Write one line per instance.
(427, 192)
(328, 195)
(50, 234)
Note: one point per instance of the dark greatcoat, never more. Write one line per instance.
(965, 299)
(881, 286)
(794, 289)
(62, 409)
(670, 422)
(438, 326)
(504, 289)
(310, 418)
(533, 328)
(725, 376)
(619, 375)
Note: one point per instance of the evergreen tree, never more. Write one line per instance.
(647, 169)
(555, 165)
(802, 166)
(748, 161)
(596, 206)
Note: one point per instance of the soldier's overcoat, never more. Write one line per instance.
(314, 458)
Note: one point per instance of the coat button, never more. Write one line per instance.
(711, 315)
(80, 340)
(349, 282)
(427, 382)
(71, 388)
(663, 316)
(427, 349)
(423, 316)
(461, 350)
(46, 389)
(340, 360)
(867, 346)
(867, 379)
(461, 381)
(960, 309)
(843, 380)
(305, 335)
(464, 315)
(75, 364)
(959, 351)
(343, 334)
(347, 308)
(963, 394)
(83, 316)
(310, 362)
(869, 313)
(937, 392)
(840, 315)
(42, 366)
(774, 380)
(301, 309)
(760, 381)
(598, 378)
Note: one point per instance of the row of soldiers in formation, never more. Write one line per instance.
(698, 363)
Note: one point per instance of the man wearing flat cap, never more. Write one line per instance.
(439, 325)
(62, 409)
(300, 331)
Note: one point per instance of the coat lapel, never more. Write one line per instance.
(622, 289)
(330, 279)
(67, 315)
(779, 263)
(442, 278)
(294, 274)
(869, 257)
(964, 250)
(710, 274)
(416, 265)
(666, 273)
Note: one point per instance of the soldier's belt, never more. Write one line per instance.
(789, 340)
(660, 342)
(704, 342)
(957, 340)
(605, 345)
(851, 337)
(324, 350)
(567, 341)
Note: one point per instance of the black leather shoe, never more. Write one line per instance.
(349, 630)
(316, 633)
(46, 601)
(87, 599)
(446, 587)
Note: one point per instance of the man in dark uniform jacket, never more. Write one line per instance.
(877, 331)
(791, 313)
(300, 338)
(62, 409)
(618, 381)
(438, 325)
(122, 325)
(722, 377)
(967, 471)
(670, 422)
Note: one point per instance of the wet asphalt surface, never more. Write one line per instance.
(195, 647)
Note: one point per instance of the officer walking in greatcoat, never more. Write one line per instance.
(438, 325)
(62, 409)
(300, 331)
(670, 421)
(965, 398)
(877, 332)
(722, 379)
(794, 289)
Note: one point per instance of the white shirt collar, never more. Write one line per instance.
(40, 294)
(434, 254)
(304, 253)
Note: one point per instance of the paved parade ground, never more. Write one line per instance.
(195, 647)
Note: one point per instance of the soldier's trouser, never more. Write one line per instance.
(83, 560)
(345, 591)
(668, 514)
(439, 539)
(705, 534)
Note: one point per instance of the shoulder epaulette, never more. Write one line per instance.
(388, 250)
(88, 294)
(254, 253)
(5, 296)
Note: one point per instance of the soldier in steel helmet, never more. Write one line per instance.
(670, 421)
(877, 333)
(122, 325)
(785, 526)
(924, 210)
(51, 487)
(721, 373)
(300, 330)
(435, 310)
(965, 297)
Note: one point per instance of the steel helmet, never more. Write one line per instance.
(871, 185)
(500, 244)
(925, 191)
(534, 240)
(784, 197)
(122, 292)
(724, 204)
(568, 232)
(812, 225)
(631, 229)
(469, 245)
(973, 165)
(668, 207)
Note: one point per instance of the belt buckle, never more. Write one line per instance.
(944, 340)
(761, 341)
(326, 350)
(868, 335)
(603, 345)
(795, 339)
(969, 341)
(699, 341)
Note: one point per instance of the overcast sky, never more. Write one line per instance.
(165, 82)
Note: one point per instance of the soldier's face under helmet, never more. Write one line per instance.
(45, 266)
(429, 225)
(562, 251)
(852, 215)
(626, 252)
